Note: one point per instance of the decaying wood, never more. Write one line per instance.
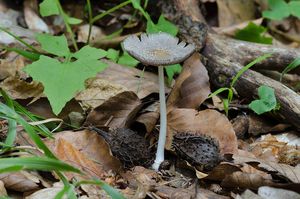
(225, 57)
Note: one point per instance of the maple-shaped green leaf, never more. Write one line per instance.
(48, 8)
(266, 102)
(127, 60)
(162, 25)
(88, 52)
(295, 8)
(113, 54)
(56, 45)
(62, 81)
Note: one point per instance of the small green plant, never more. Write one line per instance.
(295, 64)
(227, 101)
(280, 9)
(266, 102)
(253, 33)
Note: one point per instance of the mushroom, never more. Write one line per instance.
(159, 49)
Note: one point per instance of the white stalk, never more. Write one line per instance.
(160, 155)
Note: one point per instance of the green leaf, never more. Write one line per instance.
(62, 81)
(266, 102)
(113, 54)
(162, 25)
(137, 5)
(127, 60)
(253, 33)
(73, 20)
(294, 7)
(56, 45)
(279, 9)
(220, 90)
(88, 52)
(34, 163)
(48, 8)
(171, 70)
(291, 66)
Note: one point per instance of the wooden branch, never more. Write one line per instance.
(221, 72)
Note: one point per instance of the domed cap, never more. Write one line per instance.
(157, 49)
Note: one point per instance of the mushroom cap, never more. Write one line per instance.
(157, 49)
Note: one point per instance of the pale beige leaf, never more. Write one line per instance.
(18, 181)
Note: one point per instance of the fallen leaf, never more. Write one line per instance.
(142, 83)
(18, 181)
(245, 180)
(12, 65)
(3, 191)
(85, 150)
(282, 170)
(83, 31)
(222, 170)
(192, 86)
(248, 195)
(17, 88)
(117, 112)
(149, 116)
(208, 122)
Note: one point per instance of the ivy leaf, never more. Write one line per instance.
(266, 102)
(253, 33)
(279, 9)
(56, 45)
(48, 8)
(171, 70)
(73, 20)
(127, 60)
(162, 25)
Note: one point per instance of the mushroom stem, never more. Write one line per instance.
(160, 156)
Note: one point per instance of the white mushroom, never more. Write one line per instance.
(159, 49)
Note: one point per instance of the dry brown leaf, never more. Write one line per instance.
(235, 12)
(222, 170)
(117, 112)
(245, 180)
(83, 31)
(18, 181)
(207, 122)
(66, 152)
(149, 116)
(17, 88)
(86, 149)
(291, 173)
(3, 191)
(142, 83)
(192, 86)
(12, 65)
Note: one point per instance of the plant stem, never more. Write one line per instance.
(160, 156)
(90, 20)
(96, 18)
(68, 27)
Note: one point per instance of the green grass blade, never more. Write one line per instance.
(220, 90)
(19, 39)
(291, 66)
(245, 68)
(35, 163)
(27, 54)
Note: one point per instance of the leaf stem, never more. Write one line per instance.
(68, 27)
(160, 156)
(90, 20)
